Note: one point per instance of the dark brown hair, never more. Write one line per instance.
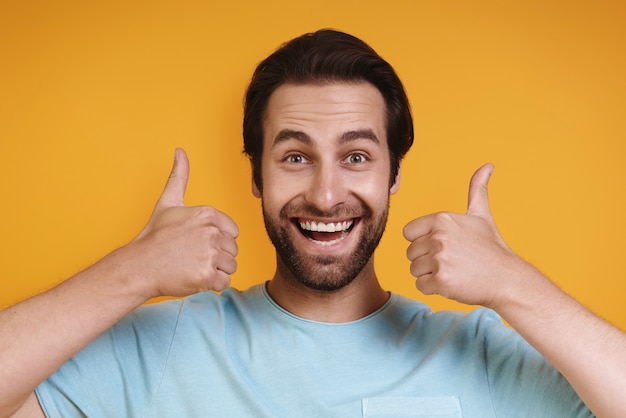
(322, 57)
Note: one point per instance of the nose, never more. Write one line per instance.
(327, 188)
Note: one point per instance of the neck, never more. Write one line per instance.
(354, 301)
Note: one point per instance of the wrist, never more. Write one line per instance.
(122, 277)
(527, 293)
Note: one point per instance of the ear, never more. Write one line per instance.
(255, 190)
(396, 183)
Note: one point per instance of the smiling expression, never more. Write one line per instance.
(325, 172)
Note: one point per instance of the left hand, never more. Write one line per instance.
(462, 256)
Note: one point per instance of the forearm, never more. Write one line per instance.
(39, 334)
(181, 251)
(463, 257)
(588, 351)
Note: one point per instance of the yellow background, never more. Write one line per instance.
(95, 96)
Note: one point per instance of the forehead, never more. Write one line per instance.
(325, 109)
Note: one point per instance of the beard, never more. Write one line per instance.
(325, 273)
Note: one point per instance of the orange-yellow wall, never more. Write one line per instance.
(94, 99)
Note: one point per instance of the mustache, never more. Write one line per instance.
(303, 210)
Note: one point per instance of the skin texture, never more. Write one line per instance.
(326, 160)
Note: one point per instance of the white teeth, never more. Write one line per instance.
(327, 243)
(323, 227)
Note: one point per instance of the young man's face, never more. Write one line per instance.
(325, 172)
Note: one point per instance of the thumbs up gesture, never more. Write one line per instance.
(462, 256)
(184, 250)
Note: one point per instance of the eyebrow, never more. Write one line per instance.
(287, 134)
(359, 134)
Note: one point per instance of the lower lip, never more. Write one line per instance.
(344, 235)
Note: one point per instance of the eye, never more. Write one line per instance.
(296, 159)
(356, 158)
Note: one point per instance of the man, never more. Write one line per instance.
(326, 126)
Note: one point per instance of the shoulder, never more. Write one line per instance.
(417, 312)
(195, 304)
(473, 330)
(202, 310)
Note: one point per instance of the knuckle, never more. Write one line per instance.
(439, 236)
(443, 278)
(440, 257)
(442, 217)
(211, 254)
(205, 213)
(206, 276)
(209, 233)
(445, 219)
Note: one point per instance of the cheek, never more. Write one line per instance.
(277, 194)
(374, 186)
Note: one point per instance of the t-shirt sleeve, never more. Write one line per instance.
(116, 374)
(521, 381)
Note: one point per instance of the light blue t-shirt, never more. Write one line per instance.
(239, 354)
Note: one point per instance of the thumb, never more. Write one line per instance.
(174, 192)
(478, 197)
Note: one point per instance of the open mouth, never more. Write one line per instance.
(325, 233)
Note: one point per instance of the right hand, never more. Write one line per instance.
(184, 250)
